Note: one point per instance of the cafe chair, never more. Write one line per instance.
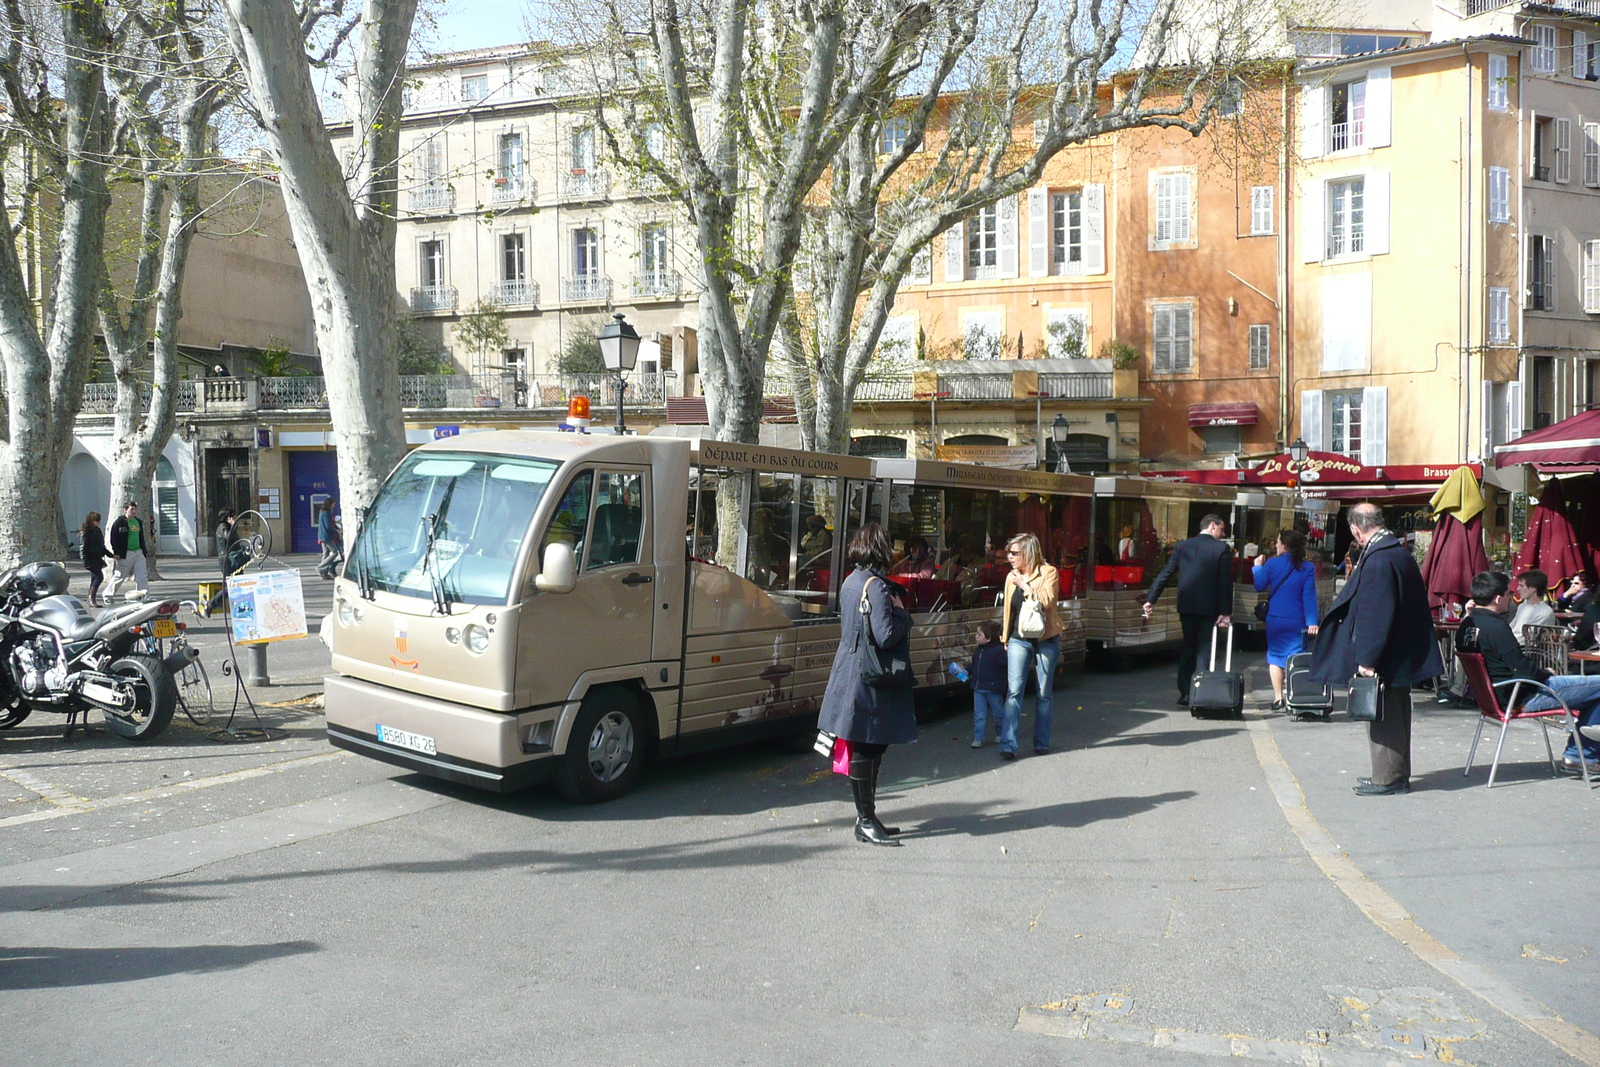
(1492, 709)
(1549, 646)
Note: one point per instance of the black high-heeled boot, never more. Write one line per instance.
(868, 828)
(892, 831)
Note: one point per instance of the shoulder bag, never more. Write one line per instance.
(1366, 699)
(1030, 619)
(878, 667)
(1263, 605)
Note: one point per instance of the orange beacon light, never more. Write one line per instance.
(578, 412)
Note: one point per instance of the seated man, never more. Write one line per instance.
(1533, 611)
(1486, 632)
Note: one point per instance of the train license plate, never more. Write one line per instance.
(406, 739)
(163, 628)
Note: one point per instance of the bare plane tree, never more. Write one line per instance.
(346, 242)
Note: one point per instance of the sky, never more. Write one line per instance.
(479, 24)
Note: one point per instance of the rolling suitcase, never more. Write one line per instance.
(1304, 698)
(1215, 694)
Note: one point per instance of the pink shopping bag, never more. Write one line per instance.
(841, 756)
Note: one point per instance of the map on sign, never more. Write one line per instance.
(267, 606)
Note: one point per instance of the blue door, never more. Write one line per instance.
(313, 476)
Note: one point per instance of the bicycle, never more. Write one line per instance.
(182, 660)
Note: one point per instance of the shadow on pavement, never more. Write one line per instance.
(939, 820)
(52, 968)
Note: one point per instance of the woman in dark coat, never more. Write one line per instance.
(870, 719)
(94, 555)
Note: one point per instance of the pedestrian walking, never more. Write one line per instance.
(1031, 631)
(1204, 567)
(1379, 625)
(868, 718)
(987, 674)
(129, 542)
(92, 548)
(1290, 582)
(1486, 632)
(328, 539)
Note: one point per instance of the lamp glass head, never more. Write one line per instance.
(1059, 429)
(619, 345)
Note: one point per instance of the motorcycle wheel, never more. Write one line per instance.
(155, 699)
(13, 714)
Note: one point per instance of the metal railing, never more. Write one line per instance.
(432, 199)
(1541, 174)
(589, 185)
(100, 398)
(977, 386)
(428, 298)
(514, 294)
(660, 285)
(1093, 385)
(1344, 135)
(586, 289)
(554, 390)
(301, 391)
(878, 389)
(1479, 7)
(510, 190)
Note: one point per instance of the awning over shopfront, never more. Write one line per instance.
(1567, 447)
(1329, 475)
(1240, 414)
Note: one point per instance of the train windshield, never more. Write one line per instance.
(449, 525)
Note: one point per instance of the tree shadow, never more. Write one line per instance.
(54, 968)
(1524, 773)
(1172, 738)
(943, 820)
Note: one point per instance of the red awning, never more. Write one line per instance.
(1241, 414)
(1572, 443)
(691, 410)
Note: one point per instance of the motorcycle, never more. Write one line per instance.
(56, 656)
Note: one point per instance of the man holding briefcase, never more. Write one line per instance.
(1204, 566)
(1379, 626)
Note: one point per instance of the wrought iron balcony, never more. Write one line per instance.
(1541, 174)
(586, 185)
(515, 294)
(659, 285)
(512, 190)
(432, 199)
(1346, 135)
(428, 299)
(586, 289)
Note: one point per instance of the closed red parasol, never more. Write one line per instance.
(1456, 552)
(1551, 544)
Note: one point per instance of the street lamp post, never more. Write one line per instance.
(1059, 430)
(1299, 452)
(619, 347)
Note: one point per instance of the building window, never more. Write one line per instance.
(1173, 333)
(1331, 45)
(1066, 231)
(1542, 137)
(655, 142)
(1543, 386)
(654, 253)
(1344, 423)
(1591, 155)
(509, 171)
(1541, 273)
(1348, 115)
(1499, 315)
(583, 150)
(1347, 229)
(1591, 277)
(983, 243)
(1229, 98)
(1544, 49)
(1260, 346)
(585, 252)
(1066, 334)
(1261, 220)
(981, 334)
(1499, 194)
(432, 264)
(1563, 152)
(1172, 208)
(1222, 439)
(513, 257)
(1499, 84)
(474, 87)
(893, 136)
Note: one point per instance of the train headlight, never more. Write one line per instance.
(452, 634)
(477, 638)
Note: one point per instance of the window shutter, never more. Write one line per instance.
(1376, 197)
(1591, 277)
(1499, 95)
(1563, 150)
(1161, 355)
(1550, 273)
(1591, 155)
(1486, 416)
(1261, 210)
(1182, 339)
(1375, 425)
(1499, 194)
(1313, 207)
(1313, 122)
(1513, 411)
(1377, 134)
(1038, 232)
(955, 253)
(1006, 227)
(1580, 54)
(921, 272)
(1094, 229)
(1311, 419)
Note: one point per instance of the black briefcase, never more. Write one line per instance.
(1366, 700)
(1215, 694)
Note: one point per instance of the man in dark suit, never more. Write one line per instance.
(1204, 566)
(1380, 625)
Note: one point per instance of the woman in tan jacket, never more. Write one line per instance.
(1031, 579)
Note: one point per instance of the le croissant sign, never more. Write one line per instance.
(1323, 468)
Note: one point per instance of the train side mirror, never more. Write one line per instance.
(560, 571)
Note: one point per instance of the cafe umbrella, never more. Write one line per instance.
(1551, 544)
(1456, 552)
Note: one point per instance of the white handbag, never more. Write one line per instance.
(1030, 620)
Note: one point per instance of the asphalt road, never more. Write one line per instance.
(1154, 892)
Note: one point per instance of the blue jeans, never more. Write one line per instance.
(986, 708)
(1582, 694)
(1022, 653)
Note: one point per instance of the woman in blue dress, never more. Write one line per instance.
(1291, 584)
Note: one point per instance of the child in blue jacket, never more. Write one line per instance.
(987, 676)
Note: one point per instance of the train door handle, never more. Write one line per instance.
(637, 579)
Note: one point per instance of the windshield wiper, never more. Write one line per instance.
(441, 598)
(363, 561)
